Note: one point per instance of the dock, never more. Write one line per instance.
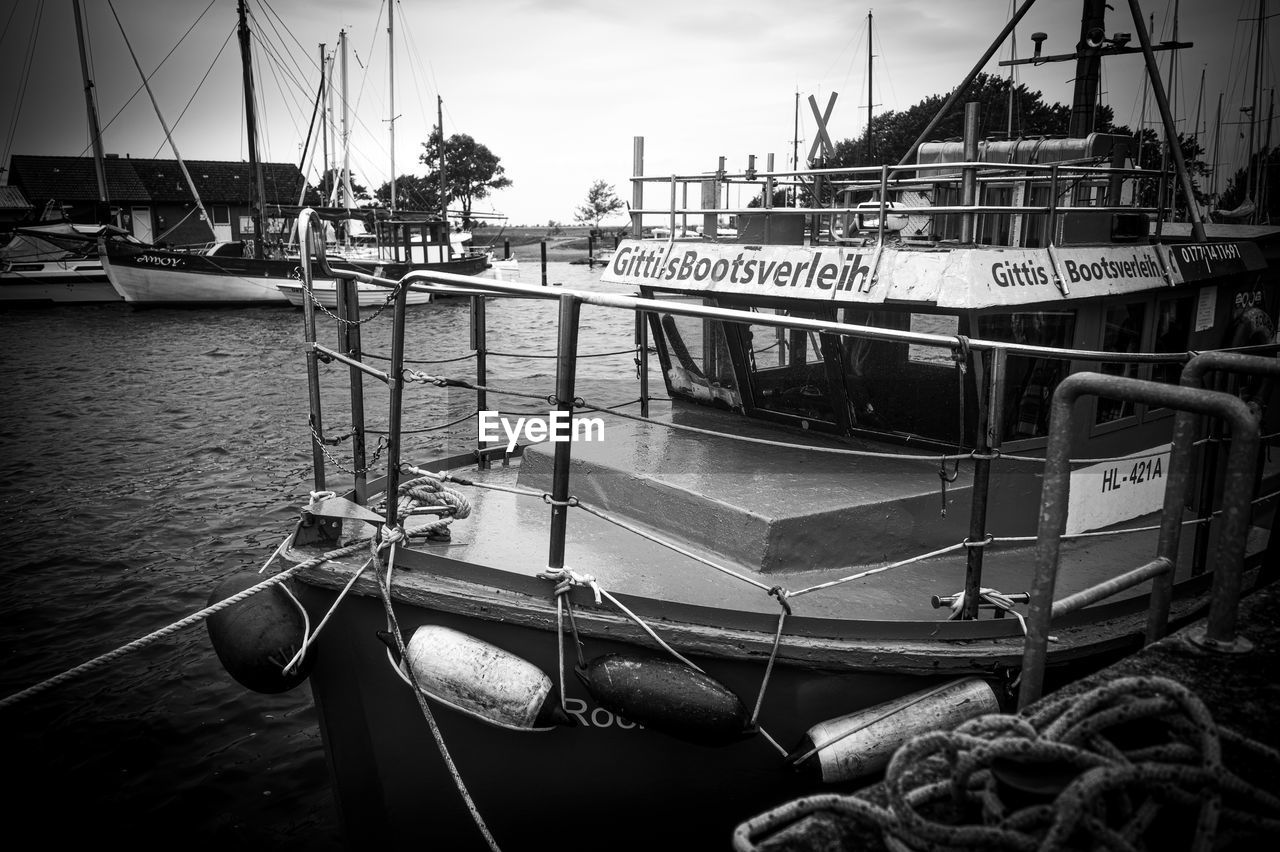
(1239, 691)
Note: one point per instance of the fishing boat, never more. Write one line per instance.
(890, 462)
(56, 263)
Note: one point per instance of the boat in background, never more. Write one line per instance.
(57, 263)
(869, 485)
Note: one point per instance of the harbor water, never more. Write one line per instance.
(146, 454)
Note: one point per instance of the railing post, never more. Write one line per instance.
(969, 176)
(315, 422)
(1052, 215)
(978, 501)
(480, 345)
(348, 299)
(566, 367)
(395, 386)
(642, 361)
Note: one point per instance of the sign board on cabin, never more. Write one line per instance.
(831, 273)
(1198, 261)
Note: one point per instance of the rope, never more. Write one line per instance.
(429, 491)
(393, 627)
(137, 644)
(947, 790)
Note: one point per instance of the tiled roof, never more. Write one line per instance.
(11, 198)
(130, 180)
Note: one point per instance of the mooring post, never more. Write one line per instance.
(543, 250)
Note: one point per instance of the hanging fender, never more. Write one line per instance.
(480, 679)
(860, 744)
(666, 695)
(256, 637)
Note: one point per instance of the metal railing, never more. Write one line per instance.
(1189, 400)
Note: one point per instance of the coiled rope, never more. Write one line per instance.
(960, 790)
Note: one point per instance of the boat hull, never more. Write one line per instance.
(628, 787)
(326, 295)
(83, 282)
(165, 278)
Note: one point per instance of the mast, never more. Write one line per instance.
(346, 134)
(444, 200)
(1088, 65)
(95, 133)
(1217, 132)
(257, 188)
(795, 153)
(324, 124)
(869, 104)
(391, 98)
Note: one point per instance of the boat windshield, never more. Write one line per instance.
(1029, 381)
(818, 381)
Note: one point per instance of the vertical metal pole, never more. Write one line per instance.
(1047, 236)
(506, 249)
(768, 201)
(542, 247)
(642, 360)
(637, 186)
(978, 502)
(566, 367)
(969, 178)
(480, 345)
(395, 384)
(313, 362)
(349, 344)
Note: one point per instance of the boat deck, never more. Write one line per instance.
(766, 514)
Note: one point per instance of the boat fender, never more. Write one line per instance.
(860, 744)
(256, 637)
(480, 679)
(666, 695)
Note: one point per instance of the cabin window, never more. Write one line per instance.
(1172, 334)
(1029, 382)
(695, 357)
(1121, 332)
(789, 369)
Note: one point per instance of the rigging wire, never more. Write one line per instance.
(26, 78)
(199, 86)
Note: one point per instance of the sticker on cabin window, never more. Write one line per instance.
(1206, 307)
(1118, 490)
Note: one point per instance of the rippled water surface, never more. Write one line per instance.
(145, 454)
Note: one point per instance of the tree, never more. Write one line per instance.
(601, 201)
(412, 193)
(334, 178)
(471, 170)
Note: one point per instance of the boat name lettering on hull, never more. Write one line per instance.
(1009, 274)
(595, 717)
(834, 272)
(1104, 268)
(158, 260)
(1117, 490)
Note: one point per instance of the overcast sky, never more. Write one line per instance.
(558, 89)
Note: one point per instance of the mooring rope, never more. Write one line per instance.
(137, 644)
(947, 790)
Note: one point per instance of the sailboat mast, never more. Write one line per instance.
(1252, 185)
(444, 199)
(346, 129)
(257, 187)
(391, 97)
(324, 125)
(95, 133)
(869, 104)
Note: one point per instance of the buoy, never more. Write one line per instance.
(256, 637)
(860, 744)
(480, 679)
(666, 695)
